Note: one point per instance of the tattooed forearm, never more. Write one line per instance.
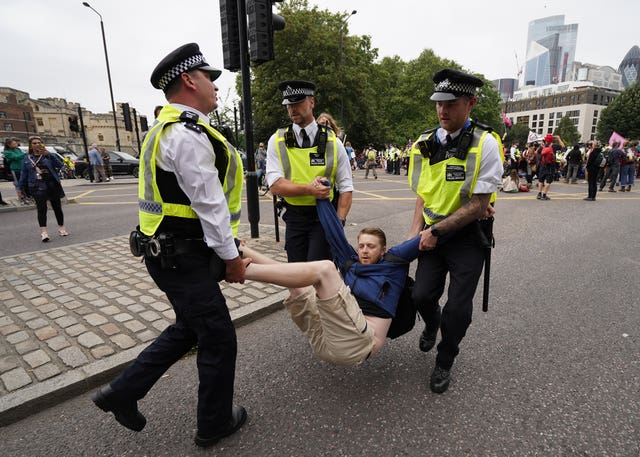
(474, 209)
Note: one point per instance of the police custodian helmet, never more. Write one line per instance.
(452, 84)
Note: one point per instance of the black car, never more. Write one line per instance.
(121, 164)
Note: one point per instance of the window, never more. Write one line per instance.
(3, 115)
(558, 115)
(551, 115)
(534, 125)
(535, 117)
(100, 137)
(39, 121)
(27, 116)
(595, 98)
(8, 127)
(595, 113)
(542, 117)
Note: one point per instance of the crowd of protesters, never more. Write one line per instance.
(551, 160)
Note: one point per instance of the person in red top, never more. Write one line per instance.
(547, 165)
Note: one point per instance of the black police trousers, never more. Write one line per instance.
(202, 318)
(305, 239)
(462, 257)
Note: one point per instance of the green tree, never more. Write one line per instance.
(622, 115)
(384, 101)
(517, 133)
(567, 130)
(309, 48)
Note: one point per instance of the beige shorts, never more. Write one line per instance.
(337, 330)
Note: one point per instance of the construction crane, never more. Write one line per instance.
(518, 67)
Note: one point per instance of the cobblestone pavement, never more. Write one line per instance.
(71, 316)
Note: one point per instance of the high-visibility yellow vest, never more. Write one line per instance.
(301, 165)
(371, 154)
(152, 209)
(447, 185)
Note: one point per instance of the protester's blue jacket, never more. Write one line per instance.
(380, 283)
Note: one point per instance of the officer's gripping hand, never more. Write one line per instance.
(319, 189)
(236, 270)
(427, 241)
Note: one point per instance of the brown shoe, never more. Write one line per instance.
(612, 190)
(622, 189)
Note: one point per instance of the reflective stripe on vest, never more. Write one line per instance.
(302, 172)
(441, 197)
(151, 207)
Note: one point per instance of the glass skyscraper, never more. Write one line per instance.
(551, 49)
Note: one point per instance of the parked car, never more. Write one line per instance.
(122, 163)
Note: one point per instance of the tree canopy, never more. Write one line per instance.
(374, 101)
(567, 130)
(621, 115)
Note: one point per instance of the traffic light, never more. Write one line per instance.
(127, 117)
(230, 34)
(262, 24)
(73, 124)
(144, 125)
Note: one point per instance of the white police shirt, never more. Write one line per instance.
(344, 179)
(190, 156)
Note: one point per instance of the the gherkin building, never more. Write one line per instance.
(630, 67)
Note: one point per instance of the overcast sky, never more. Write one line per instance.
(53, 48)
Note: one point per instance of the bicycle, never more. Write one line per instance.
(263, 186)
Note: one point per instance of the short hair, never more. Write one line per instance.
(157, 110)
(375, 231)
(8, 141)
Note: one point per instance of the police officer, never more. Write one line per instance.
(296, 155)
(189, 207)
(454, 170)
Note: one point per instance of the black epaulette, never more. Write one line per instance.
(190, 120)
(426, 146)
(482, 126)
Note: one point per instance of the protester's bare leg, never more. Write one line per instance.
(321, 274)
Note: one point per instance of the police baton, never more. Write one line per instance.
(488, 242)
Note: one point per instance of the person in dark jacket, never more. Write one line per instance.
(41, 178)
(574, 160)
(593, 166)
(346, 320)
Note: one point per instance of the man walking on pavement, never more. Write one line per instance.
(295, 156)
(454, 170)
(189, 209)
(96, 163)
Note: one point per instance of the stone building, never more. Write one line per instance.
(541, 108)
(16, 114)
(51, 118)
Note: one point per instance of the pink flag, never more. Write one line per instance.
(506, 120)
(615, 136)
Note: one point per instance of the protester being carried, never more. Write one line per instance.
(346, 320)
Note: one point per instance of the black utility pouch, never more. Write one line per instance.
(138, 243)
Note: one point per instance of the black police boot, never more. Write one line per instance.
(238, 418)
(430, 332)
(126, 412)
(428, 338)
(440, 379)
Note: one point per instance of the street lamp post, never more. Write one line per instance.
(106, 58)
(342, 25)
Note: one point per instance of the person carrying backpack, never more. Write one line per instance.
(547, 166)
